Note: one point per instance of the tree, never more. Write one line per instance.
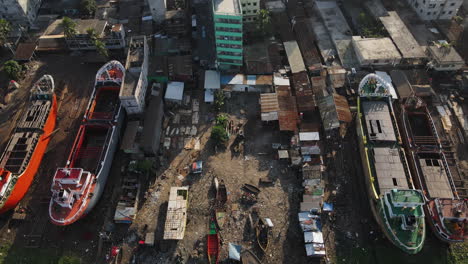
(12, 69)
(69, 260)
(92, 34)
(264, 26)
(5, 29)
(69, 27)
(219, 135)
(101, 48)
(219, 100)
(222, 120)
(88, 7)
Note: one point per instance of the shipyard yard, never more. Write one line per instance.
(234, 131)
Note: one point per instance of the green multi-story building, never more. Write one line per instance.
(227, 16)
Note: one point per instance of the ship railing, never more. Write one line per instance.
(434, 129)
(105, 148)
(449, 174)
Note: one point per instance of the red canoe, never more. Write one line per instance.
(213, 248)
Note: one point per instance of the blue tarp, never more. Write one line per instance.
(327, 207)
(234, 251)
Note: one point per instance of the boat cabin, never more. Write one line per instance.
(69, 185)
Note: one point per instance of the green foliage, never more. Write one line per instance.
(92, 34)
(458, 19)
(219, 135)
(69, 27)
(219, 100)
(69, 260)
(5, 29)
(459, 253)
(12, 69)
(369, 27)
(222, 120)
(101, 48)
(88, 7)
(264, 25)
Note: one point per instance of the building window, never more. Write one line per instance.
(255, 4)
(450, 12)
(452, 4)
(420, 11)
(443, 12)
(432, 5)
(255, 11)
(243, 5)
(376, 61)
(428, 13)
(243, 12)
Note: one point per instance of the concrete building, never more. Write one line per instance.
(53, 38)
(250, 10)
(375, 51)
(410, 50)
(435, 9)
(227, 16)
(133, 91)
(443, 57)
(20, 12)
(158, 10)
(153, 122)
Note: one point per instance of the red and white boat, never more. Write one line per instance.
(77, 187)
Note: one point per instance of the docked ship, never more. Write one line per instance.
(24, 152)
(446, 213)
(77, 187)
(396, 205)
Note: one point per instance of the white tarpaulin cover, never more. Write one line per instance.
(175, 91)
(309, 136)
(212, 80)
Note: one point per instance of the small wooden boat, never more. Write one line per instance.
(248, 257)
(221, 194)
(220, 217)
(252, 189)
(212, 244)
(262, 232)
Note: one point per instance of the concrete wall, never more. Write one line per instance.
(158, 10)
(435, 9)
(20, 12)
(250, 10)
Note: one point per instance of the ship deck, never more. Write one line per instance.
(105, 104)
(90, 147)
(421, 129)
(22, 143)
(435, 176)
(383, 149)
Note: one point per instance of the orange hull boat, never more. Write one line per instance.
(24, 152)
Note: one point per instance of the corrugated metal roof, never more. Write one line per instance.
(288, 112)
(304, 95)
(342, 108)
(25, 51)
(402, 84)
(269, 102)
(212, 80)
(306, 41)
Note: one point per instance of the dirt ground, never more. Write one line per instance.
(278, 202)
(36, 240)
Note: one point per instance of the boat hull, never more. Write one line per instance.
(374, 200)
(101, 177)
(27, 177)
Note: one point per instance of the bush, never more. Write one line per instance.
(219, 135)
(88, 7)
(12, 69)
(222, 120)
(219, 100)
(69, 260)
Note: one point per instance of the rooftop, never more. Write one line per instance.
(82, 25)
(227, 7)
(135, 59)
(402, 84)
(376, 48)
(401, 36)
(294, 56)
(179, 65)
(445, 54)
